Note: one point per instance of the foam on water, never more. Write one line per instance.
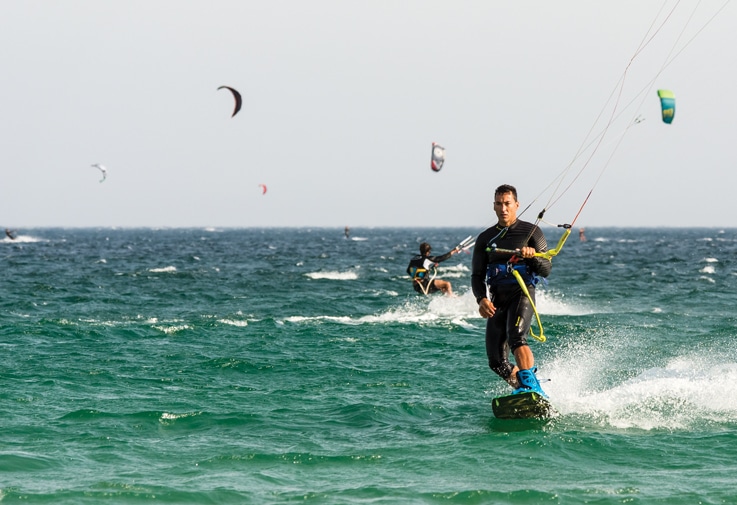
(686, 392)
(555, 303)
(334, 275)
(168, 269)
(22, 239)
(460, 309)
(234, 322)
(459, 271)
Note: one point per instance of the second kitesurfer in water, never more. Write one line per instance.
(422, 270)
(501, 300)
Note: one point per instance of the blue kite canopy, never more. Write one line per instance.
(667, 104)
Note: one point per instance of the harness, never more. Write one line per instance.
(498, 274)
(504, 273)
(421, 276)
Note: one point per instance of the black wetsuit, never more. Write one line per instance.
(422, 283)
(507, 329)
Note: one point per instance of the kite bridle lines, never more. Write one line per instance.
(597, 142)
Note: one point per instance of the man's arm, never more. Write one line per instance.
(478, 269)
(442, 257)
(540, 266)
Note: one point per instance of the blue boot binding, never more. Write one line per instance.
(528, 382)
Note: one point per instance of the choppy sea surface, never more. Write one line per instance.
(272, 366)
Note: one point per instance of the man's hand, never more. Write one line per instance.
(486, 308)
(527, 252)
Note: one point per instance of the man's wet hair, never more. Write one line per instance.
(425, 248)
(506, 188)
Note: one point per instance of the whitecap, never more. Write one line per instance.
(163, 269)
(172, 329)
(21, 239)
(336, 276)
(554, 303)
(168, 417)
(677, 395)
(233, 322)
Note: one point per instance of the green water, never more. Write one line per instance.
(272, 366)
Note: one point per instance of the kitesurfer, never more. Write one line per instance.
(422, 267)
(581, 234)
(10, 233)
(502, 301)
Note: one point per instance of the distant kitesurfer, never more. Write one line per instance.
(422, 270)
(581, 235)
(11, 234)
(507, 309)
(347, 232)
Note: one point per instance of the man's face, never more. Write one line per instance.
(506, 207)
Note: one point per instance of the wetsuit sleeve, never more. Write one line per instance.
(540, 266)
(443, 257)
(478, 267)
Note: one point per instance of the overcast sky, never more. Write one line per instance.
(342, 100)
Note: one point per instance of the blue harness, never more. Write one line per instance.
(498, 274)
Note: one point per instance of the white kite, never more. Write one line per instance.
(437, 157)
(102, 169)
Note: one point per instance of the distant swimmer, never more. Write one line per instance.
(11, 234)
(422, 269)
(347, 232)
(581, 235)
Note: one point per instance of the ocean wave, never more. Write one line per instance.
(678, 395)
(21, 239)
(334, 275)
(25, 462)
(554, 303)
(457, 309)
(169, 330)
(163, 269)
(234, 322)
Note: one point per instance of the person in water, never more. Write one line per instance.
(421, 268)
(507, 310)
(10, 233)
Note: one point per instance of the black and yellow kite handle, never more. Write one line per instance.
(549, 254)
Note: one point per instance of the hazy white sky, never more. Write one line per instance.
(342, 100)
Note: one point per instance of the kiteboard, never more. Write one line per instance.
(528, 405)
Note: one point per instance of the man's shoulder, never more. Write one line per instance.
(489, 231)
(525, 226)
